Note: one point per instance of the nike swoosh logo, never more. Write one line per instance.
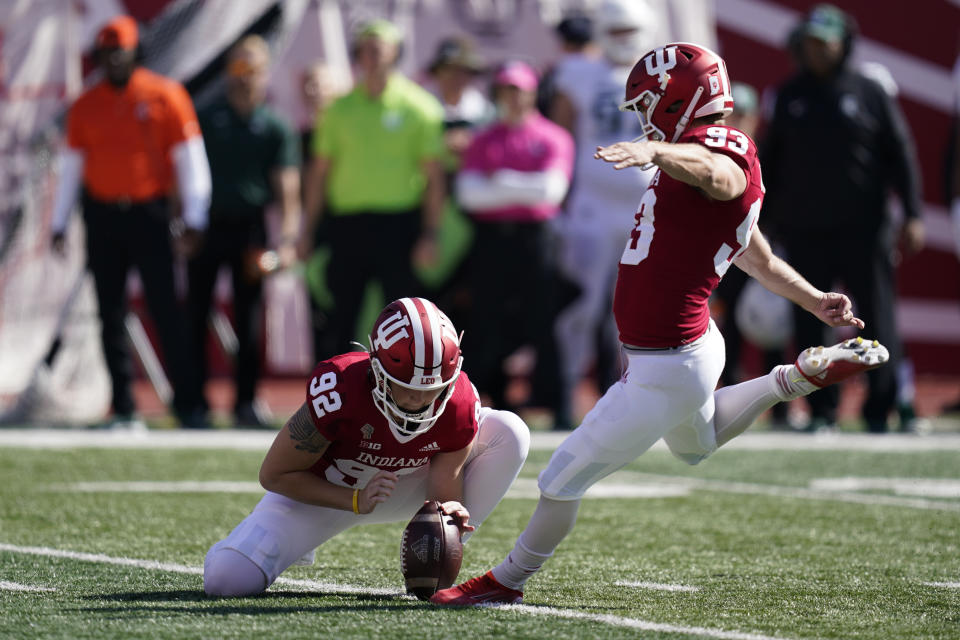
(489, 595)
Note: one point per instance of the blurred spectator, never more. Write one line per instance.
(836, 144)
(575, 33)
(377, 171)
(952, 179)
(133, 141)
(745, 117)
(318, 89)
(954, 174)
(599, 211)
(254, 161)
(454, 67)
(452, 75)
(746, 108)
(514, 176)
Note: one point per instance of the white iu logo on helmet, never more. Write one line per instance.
(661, 60)
(391, 330)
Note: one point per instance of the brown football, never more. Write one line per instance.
(430, 551)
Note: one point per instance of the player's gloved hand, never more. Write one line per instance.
(379, 488)
(460, 513)
(836, 310)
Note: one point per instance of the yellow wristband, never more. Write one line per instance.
(356, 494)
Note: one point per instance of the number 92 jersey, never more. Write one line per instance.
(341, 406)
(682, 244)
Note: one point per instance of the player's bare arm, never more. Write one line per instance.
(445, 484)
(713, 173)
(286, 470)
(759, 262)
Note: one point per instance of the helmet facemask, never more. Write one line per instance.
(413, 347)
(643, 105)
(405, 424)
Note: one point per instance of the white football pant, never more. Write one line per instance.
(663, 394)
(280, 530)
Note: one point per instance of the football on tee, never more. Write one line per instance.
(430, 551)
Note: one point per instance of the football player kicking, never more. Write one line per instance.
(379, 433)
(698, 216)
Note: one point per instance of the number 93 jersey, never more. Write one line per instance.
(339, 395)
(681, 245)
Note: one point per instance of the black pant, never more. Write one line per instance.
(512, 290)
(860, 259)
(119, 237)
(366, 247)
(230, 241)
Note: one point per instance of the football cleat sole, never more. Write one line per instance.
(824, 366)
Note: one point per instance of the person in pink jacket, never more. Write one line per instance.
(513, 178)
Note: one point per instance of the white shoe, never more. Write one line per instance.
(823, 366)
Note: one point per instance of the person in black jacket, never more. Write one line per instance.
(836, 145)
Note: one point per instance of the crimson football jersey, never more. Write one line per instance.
(681, 246)
(339, 396)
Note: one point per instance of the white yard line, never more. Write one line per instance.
(657, 586)
(633, 623)
(14, 586)
(615, 621)
(540, 440)
(623, 484)
(945, 585)
(748, 488)
(612, 487)
(159, 486)
(180, 568)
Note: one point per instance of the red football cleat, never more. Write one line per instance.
(823, 366)
(480, 590)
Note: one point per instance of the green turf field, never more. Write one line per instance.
(750, 544)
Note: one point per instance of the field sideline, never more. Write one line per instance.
(780, 537)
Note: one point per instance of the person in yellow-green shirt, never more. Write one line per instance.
(376, 180)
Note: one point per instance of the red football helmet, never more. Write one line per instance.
(674, 84)
(413, 345)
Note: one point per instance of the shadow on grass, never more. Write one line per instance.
(271, 602)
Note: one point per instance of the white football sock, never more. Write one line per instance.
(548, 526)
(792, 384)
(739, 405)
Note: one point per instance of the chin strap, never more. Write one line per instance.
(686, 115)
